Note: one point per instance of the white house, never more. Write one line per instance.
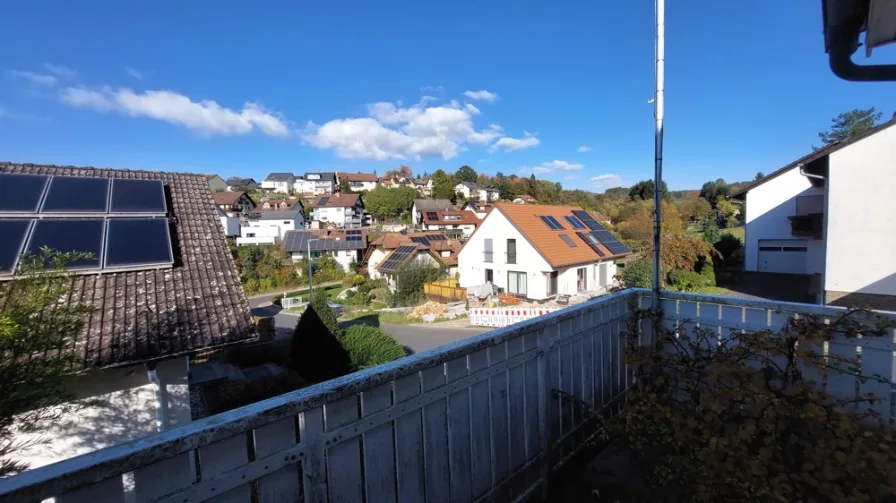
(423, 186)
(233, 203)
(421, 205)
(829, 215)
(478, 208)
(313, 184)
(279, 182)
(269, 227)
(230, 223)
(539, 251)
(359, 181)
(475, 191)
(524, 199)
(158, 314)
(216, 183)
(455, 222)
(432, 247)
(340, 210)
(345, 246)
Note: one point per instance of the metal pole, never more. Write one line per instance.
(658, 147)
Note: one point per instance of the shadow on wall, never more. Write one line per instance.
(864, 297)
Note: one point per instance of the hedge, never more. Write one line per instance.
(369, 346)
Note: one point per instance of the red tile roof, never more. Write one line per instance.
(454, 217)
(336, 201)
(358, 177)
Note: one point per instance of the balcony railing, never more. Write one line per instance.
(511, 258)
(478, 419)
(488, 257)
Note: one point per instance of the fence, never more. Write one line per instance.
(474, 420)
(291, 302)
(445, 290)
(505, 316)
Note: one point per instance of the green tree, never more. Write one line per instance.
(504, 192)
(759, 176)
(532, 186)
(383, 202)
(644, 190)
(711, 233)
(345, 187)
(409, 281)
(465, 174)
(713, 191)
(34, 325)
(726, 209)
(442, 185)
(637, 274)
(848, 125)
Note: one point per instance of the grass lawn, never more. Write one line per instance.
(332, 291)
(738, 232)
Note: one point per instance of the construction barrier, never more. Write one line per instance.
(445, 290)
(503, 316)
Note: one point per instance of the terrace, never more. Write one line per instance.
(476, 420)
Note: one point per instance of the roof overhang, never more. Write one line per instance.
(844, 22)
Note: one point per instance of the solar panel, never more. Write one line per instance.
(70, 235)
(574, 222)
(421, 239)
(323, 201)
(432, 215)
(353, 237)
(69, 194)
(616, 248)
(551, 222)
(138, 196)
(592, 242)
(588, 220)
(436, 237)
(138, 241)
(566, 239)
(352, 232)
(13, 232)
(398, 258)
(21, 193)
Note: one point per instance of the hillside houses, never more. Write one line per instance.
(359, 182)
(390, 252)
(345, 246)
(339, 210)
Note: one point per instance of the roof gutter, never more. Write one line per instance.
(810, 175)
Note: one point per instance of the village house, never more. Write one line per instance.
(457, 223)
(279, 205)
(233, 203)
(279, 182)
(237, 183)
(345, 246)
(525, 199)
(339, 210)
(826, 221)
(476, 192)
(160, 288)
(478, 208)
(539, 251)
(423, 186)
(313, 184)
(421, 205)
(215, 183)
(388, 253)
(358, 182)
(269, 227)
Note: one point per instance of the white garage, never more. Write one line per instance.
(783, 255)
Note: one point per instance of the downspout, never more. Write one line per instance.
(161, 401)
(658, 147)
(824, 267)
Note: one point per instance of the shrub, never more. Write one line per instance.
(409, 282)
(686, 281)
(728, 246)
(315, 352)
(320, 301)
(364, 288)
(638, 274)
(229, 395)
(736, 418)
(360, 280)
(711, 233)
(348, 281)
(369, 346)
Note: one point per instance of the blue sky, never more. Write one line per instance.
(253, 87)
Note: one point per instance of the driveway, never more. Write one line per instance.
(414, 338)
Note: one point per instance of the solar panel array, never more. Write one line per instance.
(602, 235)
(323, 201)
(574, 222)
(397, 259)
(432, 215)
(300, 241)
(551, 222)
(592, 242)
(421, 239)
(122, 224)
(353, 235)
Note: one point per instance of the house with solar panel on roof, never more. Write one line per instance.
(391, 251)
(279, 182)
(345, 246)
(161, 280)
(538, 251)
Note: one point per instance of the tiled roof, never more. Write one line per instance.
(336, 201)
(393, 240)
(226, 198)
(290, 203)
(279, 177)
(358, 177)
(463, 217)
(278, 214)
(154, 314)
(322, 239)
(236, 181)
(525, 217)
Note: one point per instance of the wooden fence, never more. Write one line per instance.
(445, 290)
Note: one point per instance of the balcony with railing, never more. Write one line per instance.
(478, 420)
(809, 218)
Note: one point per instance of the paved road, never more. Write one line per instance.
(414, 338)
(257, 300)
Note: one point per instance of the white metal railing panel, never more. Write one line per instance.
(476, 419)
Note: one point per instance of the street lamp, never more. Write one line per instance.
(310, 276)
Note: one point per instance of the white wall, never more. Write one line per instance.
(359, 186)
(126, 412)
(860, 227)
(499, 229)
(466, 229)
(284, 187)
(768, 207)
(376, 257)
(335, 216)
(267, 231)
(231, 225)
(342, 257)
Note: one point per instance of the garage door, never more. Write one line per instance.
(782, 255)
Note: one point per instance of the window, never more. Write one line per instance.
(511, 251)
(250, 234)
(516, 283)
(569, 242)
(552, 282)
(446, 253)
(551, 222)
(582, 279)
(489, 276)
(574, 222)
(286, 222)
(487, 253)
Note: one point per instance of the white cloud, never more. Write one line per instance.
(35, 78)
(608, 181)
(510, 144)
(482, 95)
(206, 116)
(133, 73)
(393, 131)
(563, 165)
(432, 89)
(584, 148)
(61, 71)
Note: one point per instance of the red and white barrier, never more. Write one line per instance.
(503, 316)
